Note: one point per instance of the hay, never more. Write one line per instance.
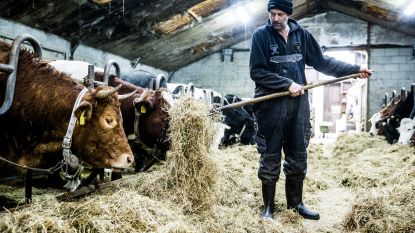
(383, 176)
(367, 162)
(387, 210)
(159, 201)
(141, 203)
(191, 173)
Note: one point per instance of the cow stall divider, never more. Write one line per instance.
(11, 70)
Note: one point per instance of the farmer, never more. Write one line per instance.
(280, 49)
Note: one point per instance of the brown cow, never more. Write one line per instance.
(153, 123)
(37, 121)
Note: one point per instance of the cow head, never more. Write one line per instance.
(406, 130)
(153, 107)
(99, 131)
(390, 131)
(373, 120)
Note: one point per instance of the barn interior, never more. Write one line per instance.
(207, 43)
(178, 38)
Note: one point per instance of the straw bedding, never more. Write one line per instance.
(197, 191)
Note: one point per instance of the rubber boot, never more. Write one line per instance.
(294, 194)
(268, 194)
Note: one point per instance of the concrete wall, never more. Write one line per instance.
(220, 72)
(57, 48)
(393, 65)
(395, 68)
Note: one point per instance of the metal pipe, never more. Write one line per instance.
(11, 68)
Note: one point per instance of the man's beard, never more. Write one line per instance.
(278, 26)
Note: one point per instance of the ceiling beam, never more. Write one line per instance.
(347, 10)
(217, 31)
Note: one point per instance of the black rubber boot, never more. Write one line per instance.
(268, 194)
(294, 194)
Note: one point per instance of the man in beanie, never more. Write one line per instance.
(279, 52)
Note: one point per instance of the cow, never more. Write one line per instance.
(406, 130)
(77, 70)
(145, 79)
(178, 89)
(373, 120)
(153, 124)
(241, 121)
(153, 121)
(33, 129)
(218, 136)
(402, 110)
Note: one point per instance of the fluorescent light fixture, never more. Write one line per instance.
(242, 15)
(410, 9)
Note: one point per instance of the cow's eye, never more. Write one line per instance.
(109, 121)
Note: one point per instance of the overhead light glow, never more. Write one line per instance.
(410, 9)
(242, 15)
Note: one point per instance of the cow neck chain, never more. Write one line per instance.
(51, 170)
(136, 125)
(67, 140)
(69, 159)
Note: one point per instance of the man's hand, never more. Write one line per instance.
(364, 72)
(295, 89)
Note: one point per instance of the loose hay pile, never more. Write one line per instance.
(384, 177)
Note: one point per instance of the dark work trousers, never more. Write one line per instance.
(283, 123)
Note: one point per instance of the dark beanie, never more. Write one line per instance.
(284, 5)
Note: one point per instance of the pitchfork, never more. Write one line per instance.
(280, 94)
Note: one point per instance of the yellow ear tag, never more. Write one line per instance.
(82, 119)
(143, 109)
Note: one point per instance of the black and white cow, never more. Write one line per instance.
(241, 121)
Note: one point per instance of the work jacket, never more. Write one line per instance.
(274, 63)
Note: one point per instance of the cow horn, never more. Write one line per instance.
(105, 93)
(125, 96)
(142, 96)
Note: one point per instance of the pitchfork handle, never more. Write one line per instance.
(280, 94)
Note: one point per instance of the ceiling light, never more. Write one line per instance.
(242, 15)
(410, 9)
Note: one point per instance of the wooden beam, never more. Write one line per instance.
(347, 10)
(217, 31)
(102, 1)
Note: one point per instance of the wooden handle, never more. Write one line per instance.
(280, 94)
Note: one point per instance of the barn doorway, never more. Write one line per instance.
(338, 107)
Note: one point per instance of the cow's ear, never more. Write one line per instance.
(144, 105)
(84, 112)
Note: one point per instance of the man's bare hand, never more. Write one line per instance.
(295, 89)
(364, 72)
